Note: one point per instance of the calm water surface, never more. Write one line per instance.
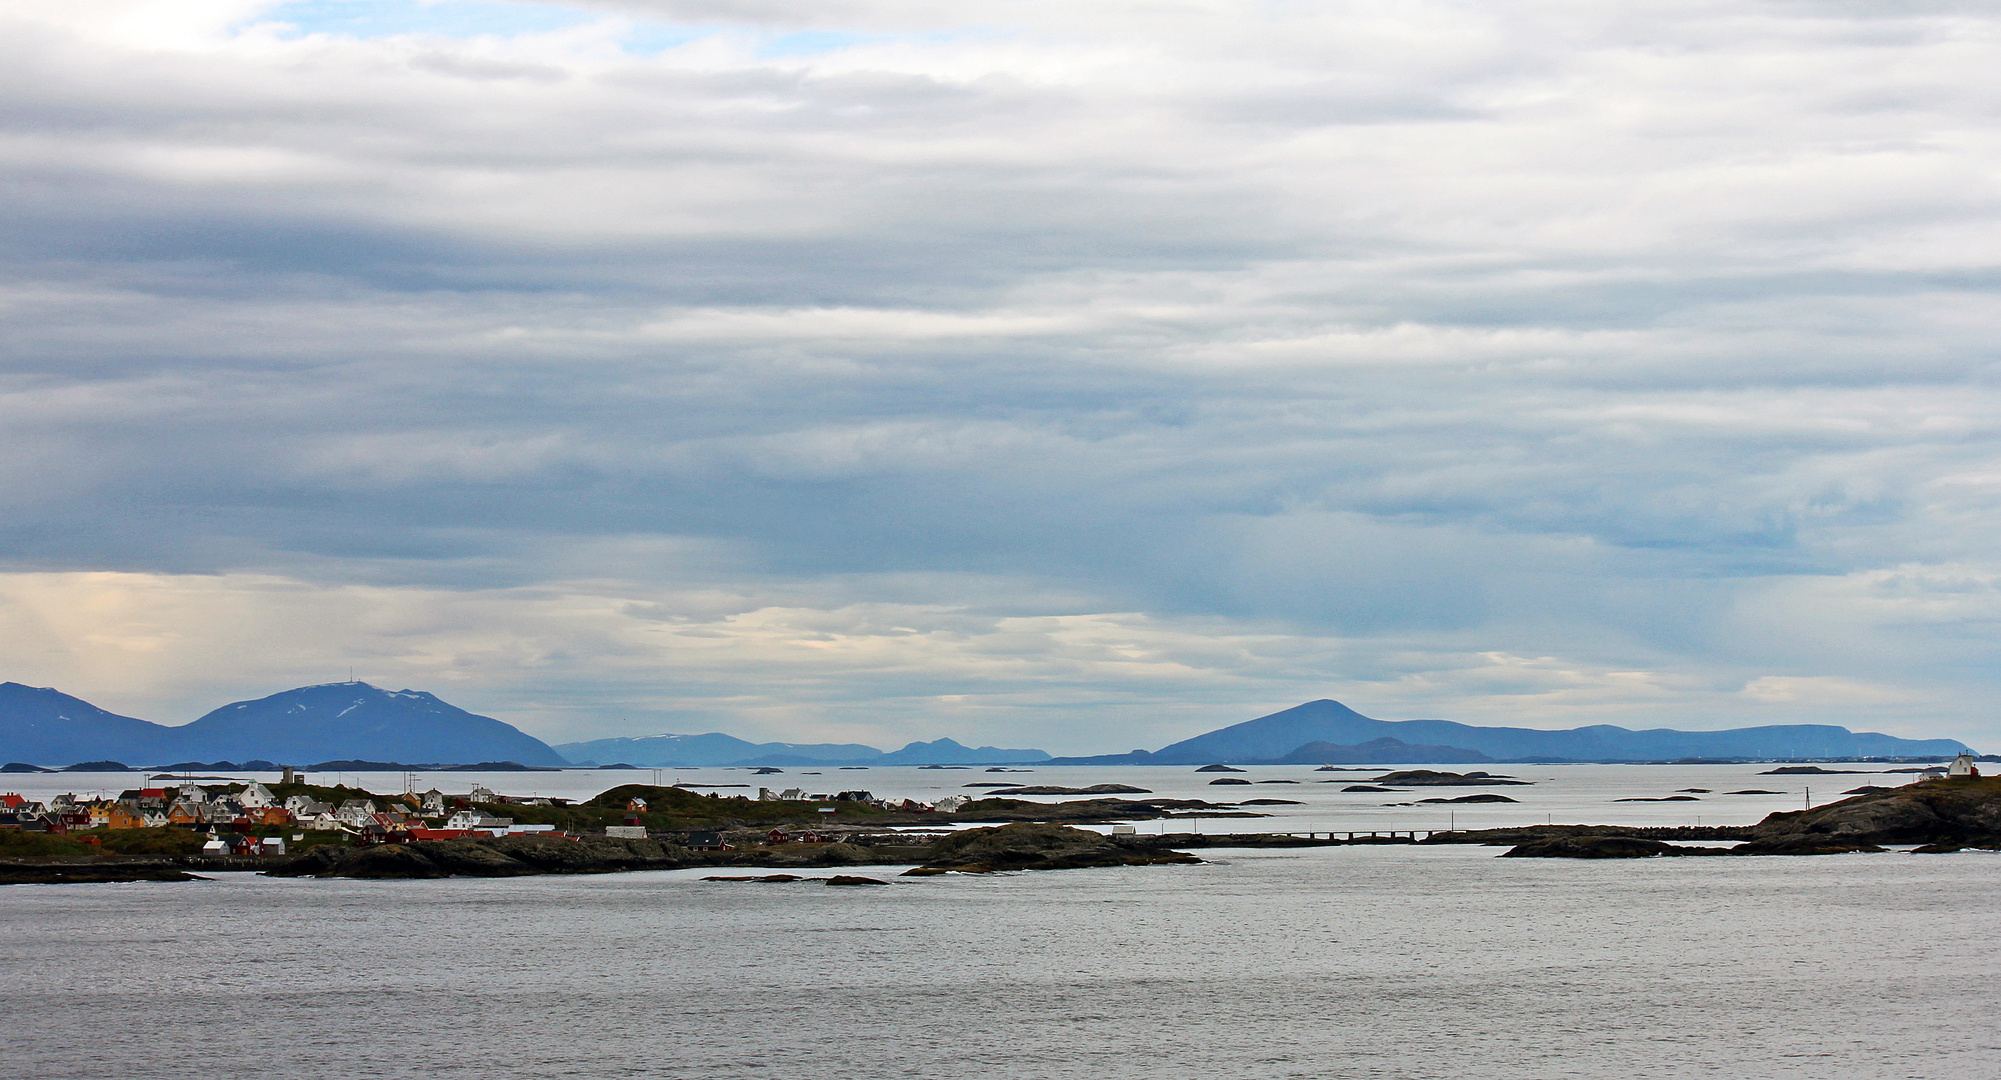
(1392, 963)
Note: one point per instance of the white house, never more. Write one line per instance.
(473, 819)
(1961, 766)
(355, 812)
(191, 792)
(434, 801)
(256, 797)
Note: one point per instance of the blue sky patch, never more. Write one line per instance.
(447, 18)
(496, 18)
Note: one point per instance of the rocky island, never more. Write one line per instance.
(1939, 815)
(641, 827)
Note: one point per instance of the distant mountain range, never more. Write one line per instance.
(692, 751)
(353, 721)
(310, 724)
(1328, 732)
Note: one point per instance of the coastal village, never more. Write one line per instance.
(248, 818)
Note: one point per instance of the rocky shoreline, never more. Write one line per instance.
(1939, 815)
(92, 871)
(1018, 846)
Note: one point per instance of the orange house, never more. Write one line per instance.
(268, 815)
(123, 817)
(183, 814)
(120, 816)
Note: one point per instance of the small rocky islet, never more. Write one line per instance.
(1939, 815)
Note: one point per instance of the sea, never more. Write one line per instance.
(1365, 962)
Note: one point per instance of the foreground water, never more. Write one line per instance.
(1406, 963)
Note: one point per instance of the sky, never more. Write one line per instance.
(1077, 376)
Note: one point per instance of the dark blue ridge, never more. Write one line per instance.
(333, 721)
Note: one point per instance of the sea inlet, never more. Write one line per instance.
(1379, 962)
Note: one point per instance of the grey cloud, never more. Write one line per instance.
(1495, 345)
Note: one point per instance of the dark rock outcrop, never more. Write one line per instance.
(1094, 789)
(1229, 780)
(1001, 810)
(1941, 815)
(1483, 798)
(1961, 810)
(24, 872)
(501, 856)
(1431, 778)
(1802, 844)
(1601, 847)
(851, 879)
(1036, 846)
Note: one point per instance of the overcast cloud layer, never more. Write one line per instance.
(1077, 376)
